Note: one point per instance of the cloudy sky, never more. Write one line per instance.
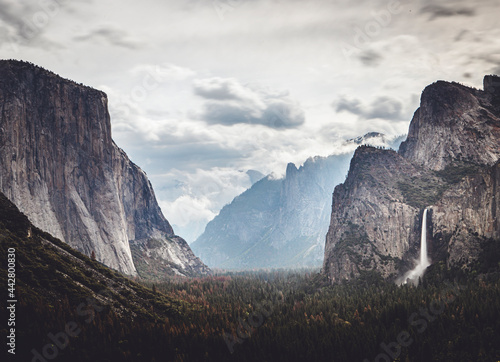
(200, 91)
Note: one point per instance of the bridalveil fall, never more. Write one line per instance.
(414, 274)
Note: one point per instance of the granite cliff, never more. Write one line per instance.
(60, 166)
(455, 123)
(448, 164)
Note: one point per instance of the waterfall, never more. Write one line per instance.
(423, 262)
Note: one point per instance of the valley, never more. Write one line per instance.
(408, 241)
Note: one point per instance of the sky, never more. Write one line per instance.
(201, 91)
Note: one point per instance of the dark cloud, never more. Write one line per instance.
(278, 114)
(382, 107)
(218, 88)
(12, 16)
(461, 35)
(370, 58)
(386, 108)
(112, 36)
(282, 113)
(228, 113)
(230, 102)
(350, 105)
(490, 59)
(22, 23)
(438, 11)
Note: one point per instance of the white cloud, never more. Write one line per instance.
(225, 89)
(163, 72)
(194, 199)
(383, 107)
(110, 36)
(187, 209)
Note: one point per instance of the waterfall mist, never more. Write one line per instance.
(423, 262)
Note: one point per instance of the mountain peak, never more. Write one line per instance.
(368, 137)
(454, 123)
(15, 64)
(291, 169)
(255, 176)
(449, 165)
(19, 69)
(491, 84)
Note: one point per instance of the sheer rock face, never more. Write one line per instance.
(372, 227)
(468, 214)
(304, 210)
(449, 164)
(453, 123)
(59, 165)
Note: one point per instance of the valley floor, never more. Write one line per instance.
(283, 316)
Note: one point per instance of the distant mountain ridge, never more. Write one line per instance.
(60, 166)
(279, 223)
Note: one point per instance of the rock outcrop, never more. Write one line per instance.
(448, 164)
(372, 227)
(60, 166)
(467, 216)
(455, 123)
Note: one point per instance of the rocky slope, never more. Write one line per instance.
(279, 223)
(60, 166)
(448, 164)
(455, 123)
(56, 284)
(373, 224)
(49, 269)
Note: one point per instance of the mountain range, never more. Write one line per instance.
(449, 164)
(61, 168)
(280, 223)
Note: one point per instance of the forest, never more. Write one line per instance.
(72, 308)
(289, 316)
